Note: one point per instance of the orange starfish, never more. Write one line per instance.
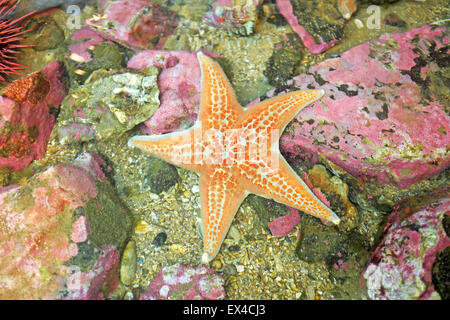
(235, 151)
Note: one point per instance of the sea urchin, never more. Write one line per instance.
(10, 35)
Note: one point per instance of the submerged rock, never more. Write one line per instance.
(25, 7)
(394, 20)
(401, 267)
(327, 245)
(333, 190)
(28, 108)
(179, 83)
(84, 40)
(341, 252)
(441, 271)
(45, 33)
(138, 24)
(160, 175)
(180, 282)
(281, 226)
(266, 209)
(238, 17)
(61, 234)
(89, 51)
(108, 103)
(319, 23)
(383, 116)
(286, 56)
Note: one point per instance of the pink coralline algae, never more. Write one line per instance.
(46, 246)
(180, 282)
(27, 117)
(81, 48)
(80, 230)
(91, 284)
(401, 266)
(382, 117)
(139, 24)
(281, 226)
(313, 42)
(179, 86)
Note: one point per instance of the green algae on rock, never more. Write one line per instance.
(5, 174)
(284, 60)
(318, 23)
(109, 103)
(90, 52)
(342, 253)
(160, 175)
(266, 209)
(50, 35)
(109, 224)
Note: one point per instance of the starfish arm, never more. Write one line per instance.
(177, 147)
(275, 113)
(219, 107)
(285, 186)
(221, 194)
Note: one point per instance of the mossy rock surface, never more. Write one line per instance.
(160, 175)
(110, 222)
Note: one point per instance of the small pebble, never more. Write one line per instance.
(234, 234)
(128, 296)
(76, 57)
(229, 269)
(160, 239)
(234, 248)
(153, 196)
(394, 20)
(216, 264)
(142, 227)
(359, 23)
(128, 264)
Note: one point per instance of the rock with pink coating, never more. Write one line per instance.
(319, 23)
(382, 117)
(401, 267)
(84, 40)
(61, 234)
(138, 24)
(179, 282)
(27, 115)
(281, 226)
(179, 85)
(90, 51)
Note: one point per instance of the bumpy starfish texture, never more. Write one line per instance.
(235, 151)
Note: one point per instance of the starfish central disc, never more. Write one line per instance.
(235, 151)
